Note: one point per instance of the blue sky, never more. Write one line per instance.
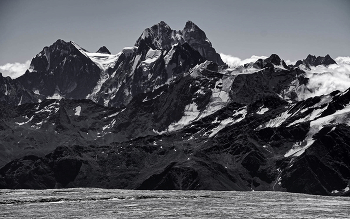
(241, 28)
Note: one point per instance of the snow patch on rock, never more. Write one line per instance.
(20, 101)
(339, 117)
(51, 108)
(241, 113)
(77, 111)
(220, 96)
(109, 126)
(277, 121)
(55, 96)
(25, 122)
(129, 50)
(102, 60)
(262, 110)
(6, 91)
(191, 113)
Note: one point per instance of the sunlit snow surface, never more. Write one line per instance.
(113, 203)
(104, 61)
(218, 100)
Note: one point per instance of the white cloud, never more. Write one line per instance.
(233, 61)
(14, 70)
(254, 58)
(289, 62)
(343, 60)
(323, 80)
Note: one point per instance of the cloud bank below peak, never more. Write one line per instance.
(324, 80)
(233, 61)
(14, 70)
(343, 60)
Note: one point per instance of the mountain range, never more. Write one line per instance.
(168, 113)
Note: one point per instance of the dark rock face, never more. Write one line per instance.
(135, 74)
(63, 70)
(37, 129)
(250, 153)
(249, 88)
(53, 171)
(166, 114)
(66, 70)
(161, 36)
(339, 102)
(13, 93)
(324, 167)
(197, 39)
(29, 172)
(104, 50)
(270, 62)
(312, 60)
(65, 165)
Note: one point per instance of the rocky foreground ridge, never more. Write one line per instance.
(167, 113)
